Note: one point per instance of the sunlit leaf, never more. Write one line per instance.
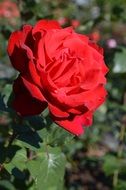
(4, 184)
(18, 161)
(48, 169)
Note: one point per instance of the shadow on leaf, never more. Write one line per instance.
(11, 151)
(31, 138)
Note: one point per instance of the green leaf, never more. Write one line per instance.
(5, 98)
(2, 104)
(36, 122)
(31, 138)
(121, 185)
(11, 151)
(28, 136)
(18, 161)
(19, 129)
(120, 62)
(48, 169)
(55, 135)
(6, 92)
(111, 163)
(4, 184)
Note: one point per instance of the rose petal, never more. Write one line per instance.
(45, 25)
(57, 112)
(27, 33)
(77, 46)
(33, 90)
(84, 38)
(96, 47)
(75, 125)
(54, 39)
(15, 51)
(18, 52)
(24, 103)
(40, 55)
(34, 74)
(90, 98)
(93, 78)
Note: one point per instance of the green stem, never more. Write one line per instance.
(115, 178)
(119, 153)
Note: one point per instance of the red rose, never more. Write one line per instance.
(63, 20)
(59, 69)
(75, 23)
(95, 36)
(9, 11)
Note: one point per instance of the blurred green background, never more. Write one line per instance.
(96, 160)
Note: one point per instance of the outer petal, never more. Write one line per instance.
(95, 46)
(75, 125)
(18, 51)
(33, 90)
(97, 53)
(24, 103)
(15, 51)
(84, 38)
(45, 25)
(92, 79)
(18, 37)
